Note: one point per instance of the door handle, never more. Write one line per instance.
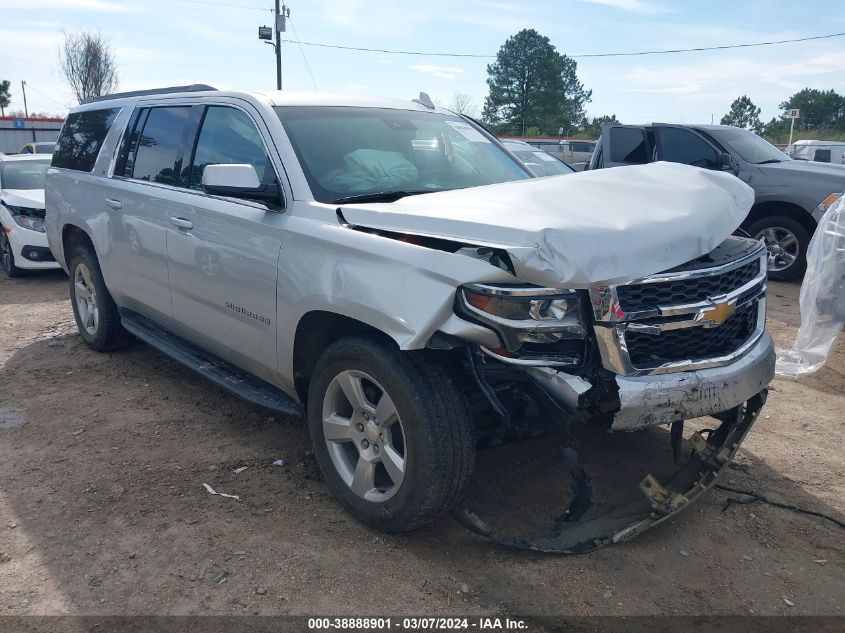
(114, 204)
(182, 223)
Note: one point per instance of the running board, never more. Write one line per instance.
(220, 372)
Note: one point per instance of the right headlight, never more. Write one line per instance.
(530, 321)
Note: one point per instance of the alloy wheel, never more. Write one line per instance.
(85, 295)
(782, 246)
(364, 436)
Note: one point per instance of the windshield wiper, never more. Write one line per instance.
(771, 160)
(380, 196)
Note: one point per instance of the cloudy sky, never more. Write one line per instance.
(171, 42)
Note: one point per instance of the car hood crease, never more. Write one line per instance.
(582, 230)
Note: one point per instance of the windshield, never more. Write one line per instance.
(23, 174)
(550, 166)
(750, 147)
(347, 151)
(45, 148)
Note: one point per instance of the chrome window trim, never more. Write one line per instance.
(208, 103)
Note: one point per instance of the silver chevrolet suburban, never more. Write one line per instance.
(389, 271)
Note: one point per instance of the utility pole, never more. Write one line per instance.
(266, 33)
(23, 89)
(279, 15)
(25, 109)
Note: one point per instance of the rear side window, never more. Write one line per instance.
(822, 156)
(628, 145)
(158, 147)
(81, 138)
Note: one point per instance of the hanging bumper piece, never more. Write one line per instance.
(659, 501)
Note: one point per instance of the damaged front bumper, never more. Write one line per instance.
(667, 398)
(658, 502)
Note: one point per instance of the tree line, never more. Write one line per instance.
(821, 115)
(534, 90)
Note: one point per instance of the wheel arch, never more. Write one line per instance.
(316, 331)
(73, 236)
(779, 207)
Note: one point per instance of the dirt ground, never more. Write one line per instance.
(103, 511)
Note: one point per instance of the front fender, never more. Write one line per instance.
(403, 290)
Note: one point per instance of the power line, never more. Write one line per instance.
(384, 50)
(304, 58)
(64, 105)
(713, 48)
(577, 56)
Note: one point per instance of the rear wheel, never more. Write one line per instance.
(786, 241)
(392, 435)
(94, 309)
(7, 257)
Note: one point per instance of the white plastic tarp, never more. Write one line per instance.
(581, 230)
(822, 298)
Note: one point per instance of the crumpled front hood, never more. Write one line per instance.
(30, 198)
(580, 230)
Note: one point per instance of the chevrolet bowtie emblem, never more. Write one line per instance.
(717, 315)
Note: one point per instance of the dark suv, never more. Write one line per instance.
(790, 195)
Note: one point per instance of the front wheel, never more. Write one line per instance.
(786, 241)
(392, 435)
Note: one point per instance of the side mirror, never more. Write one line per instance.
(237, 181)
(727, 163)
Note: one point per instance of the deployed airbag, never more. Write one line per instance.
(374, 170)
(587, 229)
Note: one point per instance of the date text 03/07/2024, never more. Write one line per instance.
(418, 623)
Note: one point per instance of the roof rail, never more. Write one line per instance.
(153, 91)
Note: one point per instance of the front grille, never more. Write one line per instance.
(697, 343)
(641, 297)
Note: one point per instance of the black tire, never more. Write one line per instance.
(7, 257)
(438, 437)
(782, 222)
(108, 333)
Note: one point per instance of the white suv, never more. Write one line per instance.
(23, 243)
(388, 270)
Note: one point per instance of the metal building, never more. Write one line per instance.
(16, 132)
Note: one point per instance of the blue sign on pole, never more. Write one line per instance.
(19, 123)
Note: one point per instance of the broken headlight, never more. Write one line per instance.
(533, 323)
(32, 219)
